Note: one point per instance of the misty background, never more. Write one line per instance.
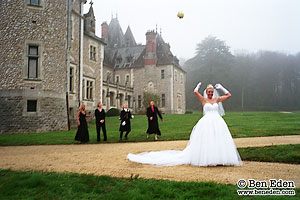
(252, 47)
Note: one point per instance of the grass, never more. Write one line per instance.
(175, 127)
(279, 153)
(38, 185)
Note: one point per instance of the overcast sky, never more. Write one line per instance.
(249, 25)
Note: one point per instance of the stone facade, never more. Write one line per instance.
(35, 67)
(51, 58)
(149, 68)
(41, 28)
(87, 68)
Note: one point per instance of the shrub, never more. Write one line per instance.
(113, 112)
(147, 97)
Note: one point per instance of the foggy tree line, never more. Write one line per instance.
(262, 81)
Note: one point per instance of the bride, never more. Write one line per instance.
(210, 142)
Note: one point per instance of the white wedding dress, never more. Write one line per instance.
(210, 144)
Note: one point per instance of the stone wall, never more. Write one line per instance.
(22, 25)
(92, 70)
(51, 111)
(179, 91)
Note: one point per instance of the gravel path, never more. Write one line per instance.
(110, 159)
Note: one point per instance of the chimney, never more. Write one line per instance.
(150, 57)
(104, 29)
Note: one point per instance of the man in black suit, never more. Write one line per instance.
(100, 121)
(125, 117)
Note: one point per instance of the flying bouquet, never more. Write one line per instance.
(180, 15)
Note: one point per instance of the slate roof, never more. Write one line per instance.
(123, 52)
(128, 38)
(94, 37)
(115, 34)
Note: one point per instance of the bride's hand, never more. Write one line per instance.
(197, 87)
(218, 86)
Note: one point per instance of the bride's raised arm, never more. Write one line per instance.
(227, 95)
(198, 95)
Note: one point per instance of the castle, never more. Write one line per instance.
(51, 60)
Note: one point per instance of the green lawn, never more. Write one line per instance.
(279, 153)
(38, 185)
(175, 127)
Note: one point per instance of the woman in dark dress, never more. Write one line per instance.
(82, 134)
(152, 112)
(100, 121)
(125, 117)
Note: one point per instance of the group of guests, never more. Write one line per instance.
(82, 134)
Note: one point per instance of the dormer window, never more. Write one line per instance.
(129, 58)
(119, 60)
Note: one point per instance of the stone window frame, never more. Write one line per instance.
(163, 100)
(179, 101)
(181, 78)
(35, 105)
(162, 74)
(175, 75)
(139, 101)
(72, 81)
(41, 5)
(88, 88)
(93, 52)
(129, 100)
(103, 97)
(117, 79)
(72, 22)
(38, 44)
(31, 114)
(108, 76)
(127, 80)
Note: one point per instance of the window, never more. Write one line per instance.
(139, 101)
(163, 100)
(181, 78)
(129, 101)
(89, 90)
(179, 101)
(83, 89)
(33, 61)
(72, 28)
(71, 83)
(92, 53)
(111, 100)
(34, 2)
(127, 78)
(108, 77)
(162, 74)
(31, 105)
(175, 74)
(103, 97)
(117, 79)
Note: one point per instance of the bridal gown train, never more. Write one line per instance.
(210, 144)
